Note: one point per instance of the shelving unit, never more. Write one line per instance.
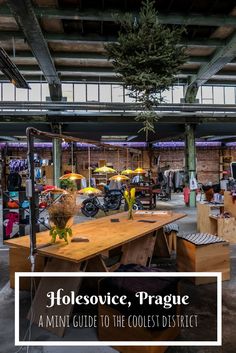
(16, 216)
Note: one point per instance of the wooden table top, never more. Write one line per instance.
(103, 235)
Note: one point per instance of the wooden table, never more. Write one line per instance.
(138, 240)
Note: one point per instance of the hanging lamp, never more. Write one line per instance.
(139, 170)
(127, 171)
(54, 190)
(72, 175)
(119, 177)
(89, 190)
(104, 170)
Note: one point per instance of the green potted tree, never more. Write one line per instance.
(147, 58)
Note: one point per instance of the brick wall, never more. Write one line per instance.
(208, 159)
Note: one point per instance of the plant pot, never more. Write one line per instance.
(61, 229)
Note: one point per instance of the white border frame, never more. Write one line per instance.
(218, 342)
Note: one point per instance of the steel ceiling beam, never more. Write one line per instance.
(107, 15)
(221, 57)
(120, 108)
(102, 117)
(24, 14)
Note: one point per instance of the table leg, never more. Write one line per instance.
(139, 251)
(161, 247)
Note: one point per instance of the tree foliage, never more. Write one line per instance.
(147, 58)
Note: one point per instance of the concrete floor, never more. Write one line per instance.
(204, 296)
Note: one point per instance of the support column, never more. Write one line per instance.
(57, 153)
(190, 158)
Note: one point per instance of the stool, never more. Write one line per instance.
(171, 230)
(129, 286)
(203, 253)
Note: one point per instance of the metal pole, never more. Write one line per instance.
(191, 159)
(56, 161)
(30, 193)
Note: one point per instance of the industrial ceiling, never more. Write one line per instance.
(63, 40)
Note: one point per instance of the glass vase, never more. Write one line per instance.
(130, 213)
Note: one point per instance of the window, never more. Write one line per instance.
(117, 94)
(92, 93)
(218, 94)
(178, 93)
(67, 91)
(229, 95)
(105, 93)
(45, 92)
(129, 99)
(79, 92)
(167, 96)
(207, 95)
(21, 94)
(8, 92)
(35, 92)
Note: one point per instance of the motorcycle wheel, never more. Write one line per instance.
(89, 209)
(137, 206)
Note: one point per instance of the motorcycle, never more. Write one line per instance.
(112, 200)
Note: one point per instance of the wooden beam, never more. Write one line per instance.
(108, 15)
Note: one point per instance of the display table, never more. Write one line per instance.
(209, 222)
(206, 223)
(139, 240)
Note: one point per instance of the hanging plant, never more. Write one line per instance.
(147, 58)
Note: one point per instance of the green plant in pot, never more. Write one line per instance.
(130, 200)
(68, 184)
(61, 215)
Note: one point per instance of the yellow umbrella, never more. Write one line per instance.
(119, 177)
(139, 171)
(89, 190)
(72, 176)
(104, 170)
(127, 172)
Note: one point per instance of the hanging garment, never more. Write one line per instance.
(83, 183)
(38, 173)
(186, 192)
(11, 219)
(193, 182)
(14, 181)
